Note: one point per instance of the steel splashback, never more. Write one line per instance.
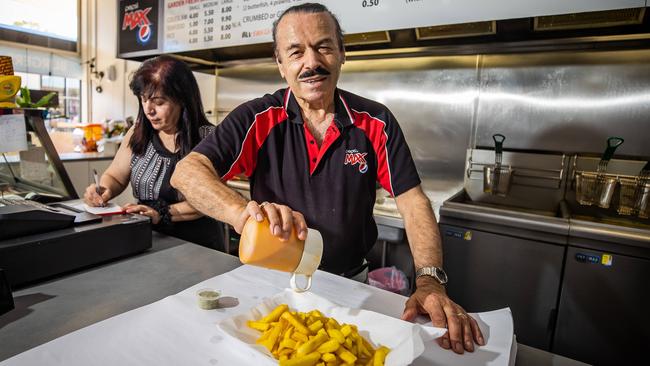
(566, 102)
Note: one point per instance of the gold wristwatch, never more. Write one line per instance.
(434, 272)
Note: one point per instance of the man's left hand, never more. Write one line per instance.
(431, 299)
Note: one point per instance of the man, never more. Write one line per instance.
(313, 153)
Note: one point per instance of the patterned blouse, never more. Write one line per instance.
(150, 175)
(151, 172)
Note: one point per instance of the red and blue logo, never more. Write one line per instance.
(354, 157)
(139, 18)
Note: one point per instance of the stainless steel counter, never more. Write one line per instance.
(51, 310)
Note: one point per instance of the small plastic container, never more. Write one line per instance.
(208, 298)
(259, 247)
(92, 134)
(390, 279)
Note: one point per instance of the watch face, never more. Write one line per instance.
(441, 275)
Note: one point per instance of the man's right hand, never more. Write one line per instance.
(91, 198)
(282, 219)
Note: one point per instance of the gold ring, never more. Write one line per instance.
(461, 315)
(264, 204)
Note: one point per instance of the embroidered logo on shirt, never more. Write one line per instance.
(354, 157)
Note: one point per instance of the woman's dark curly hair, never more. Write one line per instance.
(172, 78)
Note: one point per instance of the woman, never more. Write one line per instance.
(170, 117)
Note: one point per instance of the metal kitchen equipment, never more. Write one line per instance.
(536, 180)
(505, 257)
(553, 249)
(606, 272)
(594, 188)
(627, 196)
(642, 194)
(597, 187)
(635, 193)
(643, 202)
(525, 232)
(496, 178)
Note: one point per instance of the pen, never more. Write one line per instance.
(97, 188)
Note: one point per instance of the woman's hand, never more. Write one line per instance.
(143, 210)
(92, 198)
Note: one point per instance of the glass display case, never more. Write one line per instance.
(29, 164)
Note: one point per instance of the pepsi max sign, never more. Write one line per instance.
(137, 18)
(139, 22)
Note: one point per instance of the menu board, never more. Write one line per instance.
(205, 24)
(197, 24)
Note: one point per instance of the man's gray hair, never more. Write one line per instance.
(312, 8)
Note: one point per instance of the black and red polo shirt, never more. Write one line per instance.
(332, 186)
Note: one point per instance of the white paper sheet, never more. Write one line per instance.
(109, 209)
(13, 135)
(175, 331)
(497, 329)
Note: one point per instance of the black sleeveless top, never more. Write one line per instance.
(150, 175)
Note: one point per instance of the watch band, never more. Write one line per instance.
(436, 272)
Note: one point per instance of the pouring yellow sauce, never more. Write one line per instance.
(259, 247)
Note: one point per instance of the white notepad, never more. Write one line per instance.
(110, 209)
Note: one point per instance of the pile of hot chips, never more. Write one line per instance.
(307, 339)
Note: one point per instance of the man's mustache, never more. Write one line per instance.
(313, 72)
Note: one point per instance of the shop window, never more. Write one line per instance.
(50, 24)
(72, 98)
(67, 106)
(29, 80)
